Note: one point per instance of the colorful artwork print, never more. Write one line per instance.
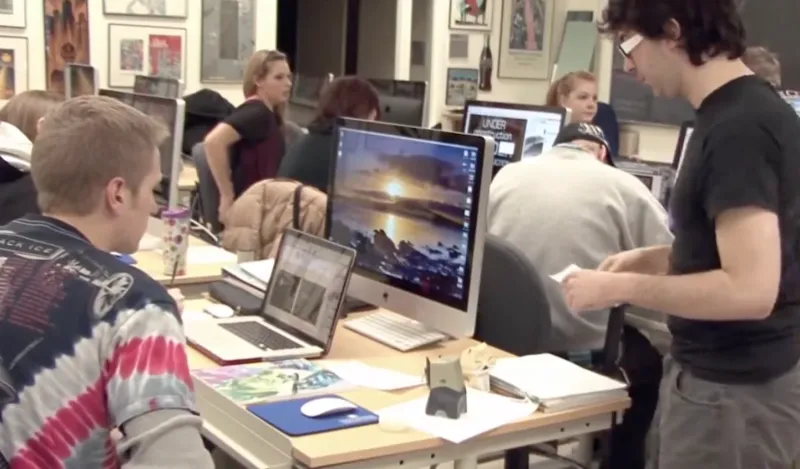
(471, 14)
(131, 55)
(66, 26)
(7, 74)
(527, 26)
(165, 56)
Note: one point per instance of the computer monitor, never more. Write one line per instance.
(80, 80)
(412, 203)
(793, 98)
(158, 86)
(656, 176)
(680, 149)
(170, 113)
(402, 101)
(519, 130)
(307, 89)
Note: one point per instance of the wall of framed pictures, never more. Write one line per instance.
(205, 43)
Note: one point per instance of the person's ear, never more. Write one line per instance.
(39, 124)
(116, 195)
(672, 32)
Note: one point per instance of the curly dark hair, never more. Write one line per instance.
(708, 28)
(347, 96)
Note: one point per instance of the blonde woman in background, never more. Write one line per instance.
(576, 91)
(20, 119)
(248, 145)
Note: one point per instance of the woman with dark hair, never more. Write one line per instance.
(308, 160)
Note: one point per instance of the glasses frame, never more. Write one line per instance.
(627, 46)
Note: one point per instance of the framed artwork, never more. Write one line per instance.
(147, 8)
(144, 50)
(526, 39)
(12, 13)
(228, 40)
(66, 39)
(462, 86)
(13, 66)
(471, 14)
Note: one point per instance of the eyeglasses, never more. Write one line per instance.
(627, 46)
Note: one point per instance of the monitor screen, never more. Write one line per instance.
(793, 98)
(401, 101)
(519, 131)
(122, 96)
(307, 89)
(407, 200)
(80, 80)
(157, 86)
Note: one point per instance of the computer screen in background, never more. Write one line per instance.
(519, 131)
(793, 98)
(158, 86)
(80, 80)
(171, 114)
(413, 208)
(402, 102)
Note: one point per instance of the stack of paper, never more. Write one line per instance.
(555, 383)
(254, 274)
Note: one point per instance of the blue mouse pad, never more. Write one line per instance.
(286, 417)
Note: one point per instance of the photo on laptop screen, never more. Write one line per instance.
(405, 205)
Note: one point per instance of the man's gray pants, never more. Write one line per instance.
(704, 425)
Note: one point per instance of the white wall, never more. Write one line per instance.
(321, 36)
(98, 36)
(656, 143)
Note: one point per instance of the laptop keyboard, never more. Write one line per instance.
(259, 335)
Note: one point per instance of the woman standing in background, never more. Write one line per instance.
(576, 91)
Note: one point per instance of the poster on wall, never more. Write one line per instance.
(141, 50)
(66, 38)
(526, 39)
(471, 14)
(148, 8)
(462, 86)
(228, 40)
(12, 13)
(13, 66)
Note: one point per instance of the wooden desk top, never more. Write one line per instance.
(188, 178)
(361, 443)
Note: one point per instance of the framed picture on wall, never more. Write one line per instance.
(471, 14)
(143, 50)
(462, 86)
(12, 13)
(228, 40)
(148, 8)
(13, 66)
(526, 39)
(66, 39)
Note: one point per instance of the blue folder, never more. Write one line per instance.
(286, 417)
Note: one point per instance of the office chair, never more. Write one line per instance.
(606, 119)
(207, 189)
(513, 310)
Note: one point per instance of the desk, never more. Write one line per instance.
(371, 446)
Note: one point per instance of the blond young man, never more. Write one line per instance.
(90, 343)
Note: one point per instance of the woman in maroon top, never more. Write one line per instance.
(248, 145)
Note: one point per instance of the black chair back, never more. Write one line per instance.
(513, 310)
(207, 189)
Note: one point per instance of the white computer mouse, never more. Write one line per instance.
(325, 406)
(219, 311)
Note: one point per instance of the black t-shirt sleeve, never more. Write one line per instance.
(252, 121)
(742, 161)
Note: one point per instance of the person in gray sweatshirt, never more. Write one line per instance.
(570, 205)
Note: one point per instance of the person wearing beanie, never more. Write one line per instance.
(570, 205)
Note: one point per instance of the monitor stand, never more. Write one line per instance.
(394, 330)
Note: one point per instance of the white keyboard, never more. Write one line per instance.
(394, 330)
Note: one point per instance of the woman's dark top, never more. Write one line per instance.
(17, 193)
(258, 153)
(309, 160)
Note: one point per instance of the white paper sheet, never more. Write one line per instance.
(194, 315)
(260, 270)
(559, 277)
(485, 412)
(197, 255)
(373, 377)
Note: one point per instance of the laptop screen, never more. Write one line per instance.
(307, 285)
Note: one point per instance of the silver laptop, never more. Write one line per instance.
(300, 309)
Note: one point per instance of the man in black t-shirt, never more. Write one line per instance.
(730, 281)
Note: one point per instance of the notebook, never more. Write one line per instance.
(553, 382)
(286, 417)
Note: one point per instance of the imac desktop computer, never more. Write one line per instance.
(80, 80)
(519, 131)
(402, 102)
(793, 98)
(170, 113)
(412, 203)
(158, 86)
(306, 91)
(680, 149)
